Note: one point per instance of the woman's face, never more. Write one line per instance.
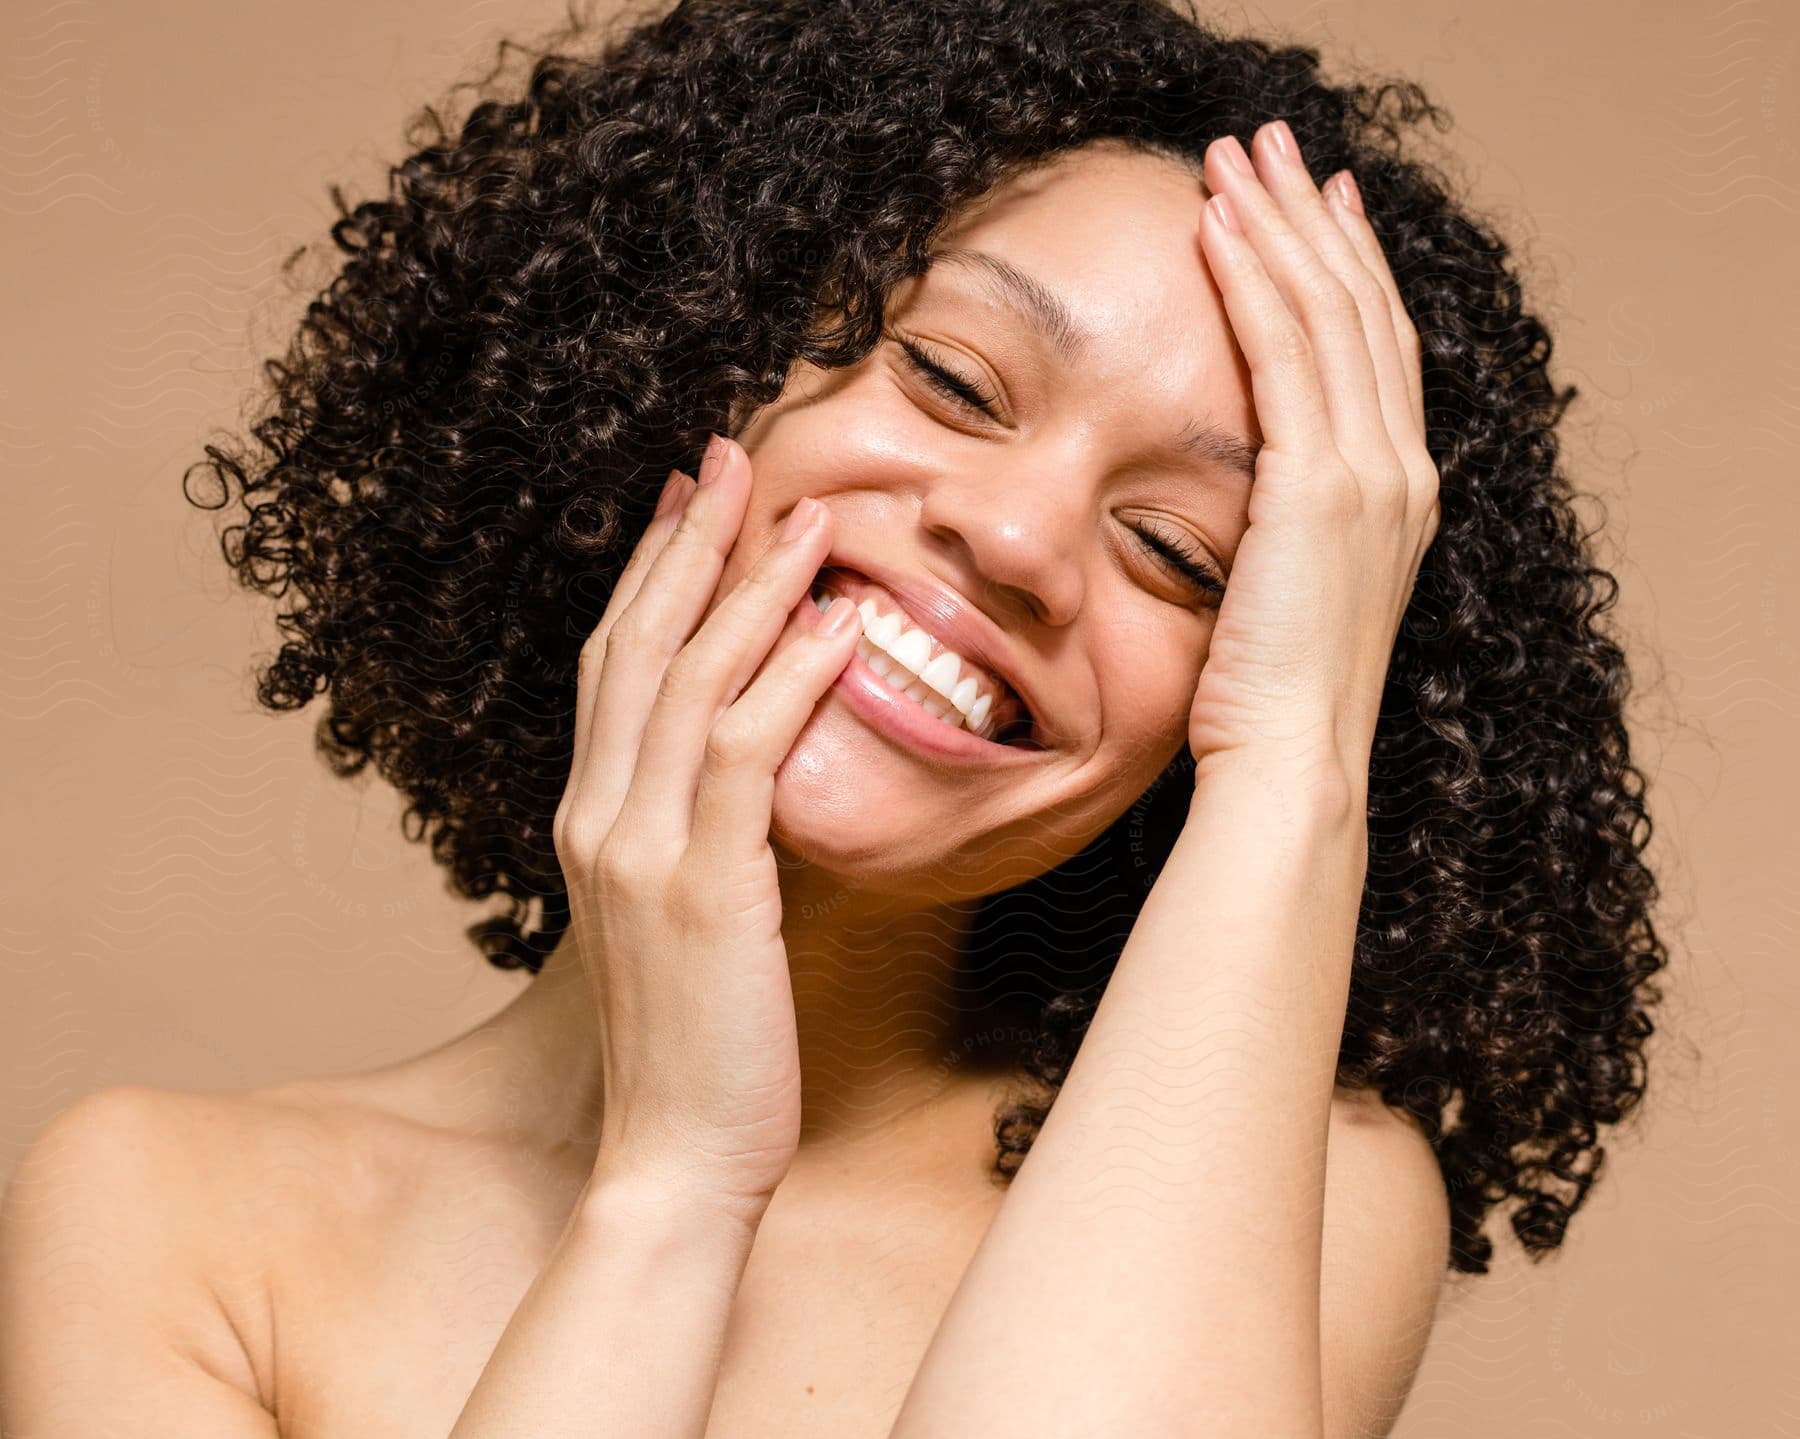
(1012, 537)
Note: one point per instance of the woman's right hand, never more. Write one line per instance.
(663, 837)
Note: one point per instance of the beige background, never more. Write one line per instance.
(189, 900)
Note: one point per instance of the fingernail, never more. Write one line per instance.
(1285, 144)
(712, 459)
(1349, 193)
(1221, 206)
(671, 488)
(1235, 155)
(800, 519)
(838, 618)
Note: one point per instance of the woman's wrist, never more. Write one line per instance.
(1316, 787)
(676, 1205)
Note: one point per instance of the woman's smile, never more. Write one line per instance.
(900, 716)
(938, 652)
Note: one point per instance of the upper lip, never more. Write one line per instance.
(954, 621)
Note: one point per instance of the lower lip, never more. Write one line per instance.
(909, 723)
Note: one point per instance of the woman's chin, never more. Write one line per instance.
(846, 804)
(844, 800)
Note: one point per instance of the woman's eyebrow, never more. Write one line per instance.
(1045, 311)
(1212, 442)
(1033, 299)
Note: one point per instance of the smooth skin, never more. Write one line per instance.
(1207, 1237)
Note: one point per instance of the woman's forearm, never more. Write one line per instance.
(620, 1335)
(1154, 1269)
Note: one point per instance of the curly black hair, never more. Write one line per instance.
(559, 299)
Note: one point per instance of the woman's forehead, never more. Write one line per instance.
(1095, 260)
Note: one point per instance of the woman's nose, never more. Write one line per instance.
(1019, 539)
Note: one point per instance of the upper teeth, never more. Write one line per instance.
(901, 654)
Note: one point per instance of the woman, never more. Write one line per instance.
(1129, 492)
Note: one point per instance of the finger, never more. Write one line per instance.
(674, 500)
(677, 489)
(1326, 312)
(735, 797)
(1347, 210)
(651, 629)
(713, 668)
(1287, 178)
(1290, 405)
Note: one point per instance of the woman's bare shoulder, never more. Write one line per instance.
(194, 1217)
(226, 1173)
(124, 1197)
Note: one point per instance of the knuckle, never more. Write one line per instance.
(620, 862)
(1417, 460)
(576, 837)
(1420, 473)
(681, 674)
(1289, 349)
(688, 527)
(1370, 299)
(1425, 501)
(1382, 471)
(591, 658)
(772, 569)
(676, 678)
(1386, 494)
(693, 528)
(1328, 297)
(1335, 496)
(629, 633)
(731, 741)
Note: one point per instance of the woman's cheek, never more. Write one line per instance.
(1151, 670)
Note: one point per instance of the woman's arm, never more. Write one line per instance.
(620, 1334)
(675, 915)
(1155, 1267)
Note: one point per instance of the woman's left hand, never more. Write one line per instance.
(1345, 499)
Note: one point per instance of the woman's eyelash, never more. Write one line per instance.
(1171, 549)
(948, 381)
(1176, 552)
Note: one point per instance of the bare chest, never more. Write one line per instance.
(388, 1330)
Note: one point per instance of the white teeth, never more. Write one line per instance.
(901, 655)
(873, 657)
(941, 673)
(912, 649)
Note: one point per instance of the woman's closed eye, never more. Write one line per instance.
(949, 382)
(1172, 550)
